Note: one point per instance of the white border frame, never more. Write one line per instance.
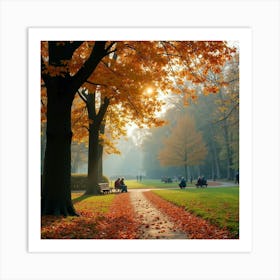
(243, 36)
(262, 16)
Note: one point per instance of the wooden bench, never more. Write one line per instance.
(117, 189)
(202, 184)
(104, 188)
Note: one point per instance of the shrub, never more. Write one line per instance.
(104, 179)
(79, 181)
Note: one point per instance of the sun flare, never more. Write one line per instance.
(149, 90)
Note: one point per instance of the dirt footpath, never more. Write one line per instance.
(155, 225)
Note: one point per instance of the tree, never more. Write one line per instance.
(184, 147)
(131, 79)
(62, 79)
(226, 115)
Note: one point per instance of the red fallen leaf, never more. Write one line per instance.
(147, 226)
(119, 222)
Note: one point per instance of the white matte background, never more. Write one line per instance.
(16, 262)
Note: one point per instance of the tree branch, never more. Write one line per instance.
(103, 109)
(226, 116)
(86, 127)
(95, 84)
(109, 47)
(98, 52)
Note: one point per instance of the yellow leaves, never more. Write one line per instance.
(210, 89)
(176, 90)
(180, 82)
(190, 96)
(184, 146)
(43, 110)
(133, 80)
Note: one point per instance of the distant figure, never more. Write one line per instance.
(237, 178)
(123, 185)
(191, 179)
(199, 181)
(204, 181)
(183, 183)
(140, 178)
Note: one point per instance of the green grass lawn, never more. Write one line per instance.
(220, 206)
(100, 203)
(150, 184)
(155, 184)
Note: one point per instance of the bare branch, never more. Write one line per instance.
(226, 116)
(95, 84)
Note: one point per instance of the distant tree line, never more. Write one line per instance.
(216, 117)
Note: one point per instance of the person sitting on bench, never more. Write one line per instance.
(201, 181)
(123, 185)
(183, 183)
(118, 184)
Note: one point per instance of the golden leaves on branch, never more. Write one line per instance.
(124, 75)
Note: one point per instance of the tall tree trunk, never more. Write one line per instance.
(93, 141)
(61, 89)
(56, 192)
(95, 126)
(92, 187)
(43, 145)
(228, 152)
(100, 154)
(217, 171)
(186, 172)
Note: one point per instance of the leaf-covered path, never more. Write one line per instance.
(154, 224)
(194, 226)
(138, 214)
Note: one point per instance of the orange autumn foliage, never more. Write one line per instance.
(184, 146)
(117, 222)
(131, 68)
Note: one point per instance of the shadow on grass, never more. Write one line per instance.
(80, 198)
